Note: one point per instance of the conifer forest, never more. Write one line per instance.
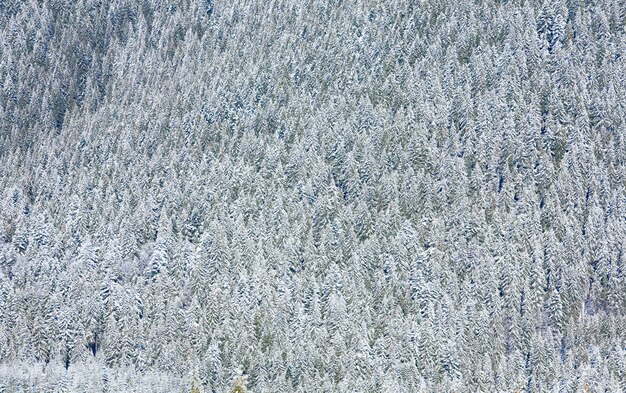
(312, 196)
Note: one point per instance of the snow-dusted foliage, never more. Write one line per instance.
(312, 195)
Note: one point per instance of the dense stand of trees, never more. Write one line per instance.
(313, 195)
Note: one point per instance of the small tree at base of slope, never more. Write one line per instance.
(239, 386)
(194, 386)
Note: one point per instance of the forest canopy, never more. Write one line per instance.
(312, 195)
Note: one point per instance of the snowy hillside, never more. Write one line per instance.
(312, 196)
